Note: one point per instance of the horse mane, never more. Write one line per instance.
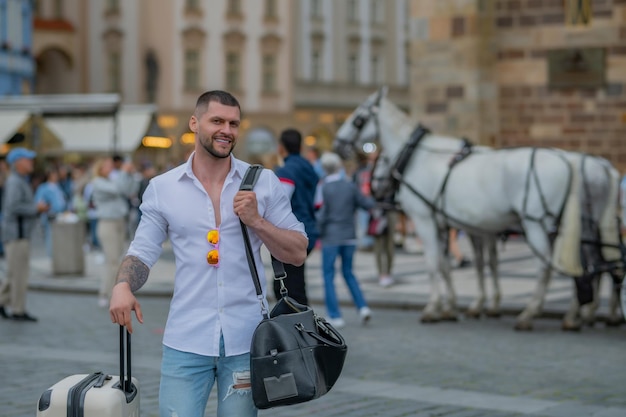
(402, 126)
(395, 119)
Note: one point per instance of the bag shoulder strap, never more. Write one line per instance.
(247, 184)
(251, 177)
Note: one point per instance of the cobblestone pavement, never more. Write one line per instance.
(395, 366)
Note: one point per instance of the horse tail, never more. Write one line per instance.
(609, 224)
(566, 254)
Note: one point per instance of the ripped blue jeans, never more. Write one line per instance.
(187, 380)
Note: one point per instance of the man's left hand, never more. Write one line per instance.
(245, 206)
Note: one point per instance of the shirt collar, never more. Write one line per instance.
(237, 168)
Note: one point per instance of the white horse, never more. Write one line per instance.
(600, 246)
(535, 190)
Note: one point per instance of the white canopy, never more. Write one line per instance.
(96, 133)
(10, 121)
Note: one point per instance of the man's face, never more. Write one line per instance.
(24, 166)
(217, 129)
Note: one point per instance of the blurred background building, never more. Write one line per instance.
(303, 63)
(523, 72)
(499, 72)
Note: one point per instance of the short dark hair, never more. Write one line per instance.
(222, 97)
(291, 139)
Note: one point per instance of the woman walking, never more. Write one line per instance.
(110, 197)
(336, 221)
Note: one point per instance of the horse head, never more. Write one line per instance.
(360, 127)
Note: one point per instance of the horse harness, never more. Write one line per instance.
(399, 166)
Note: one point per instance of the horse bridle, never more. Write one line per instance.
(359, 123)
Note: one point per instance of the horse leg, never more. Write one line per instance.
(427, 231)
(588, 311)
(448, 311)
(616, 315)
(494, 310)
(576, 315)
(537, 239)
(571, 320)
(476, 307)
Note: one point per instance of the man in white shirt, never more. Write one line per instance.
(214, 310)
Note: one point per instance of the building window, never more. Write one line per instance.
(316, 8)
(353, 11)
(407, 15)
(37, 8)
(193, 6)
(377, 11)
(578, 12)
(377, 71)
(113, 6)
(316, 66)
(58, 9)
(353, 69)
(234, 7)
(192, 70)
(407, 64)
(233, 71)
(269, 73)
(115, 72)
(271, 10)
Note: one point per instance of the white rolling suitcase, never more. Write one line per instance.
(95, 395)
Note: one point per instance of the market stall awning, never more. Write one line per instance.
(10, 121)
(83, 134)
(88, 134)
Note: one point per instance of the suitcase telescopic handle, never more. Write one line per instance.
(125, 366)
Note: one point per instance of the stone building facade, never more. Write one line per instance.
(301, 63)
(523, 72)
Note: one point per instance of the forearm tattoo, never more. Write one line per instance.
(134, 272)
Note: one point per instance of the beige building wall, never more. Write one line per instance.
(482, 70)
(59, 47)
(361, 45)
(453, 84)
(344, 51)
(210, 30)
(534, 112)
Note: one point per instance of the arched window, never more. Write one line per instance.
(233, 71)
(269, 73)
(353, 69)
(578, 12)
(353, 12)
(192, 70)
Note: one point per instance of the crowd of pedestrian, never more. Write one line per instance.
(97, 194)
(309, 201)
(105, 195)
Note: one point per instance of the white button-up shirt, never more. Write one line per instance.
(208, 301)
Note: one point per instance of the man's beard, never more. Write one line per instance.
(208, 146)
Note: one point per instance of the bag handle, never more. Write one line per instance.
(247, 184)
(125, 372)
(329, 329)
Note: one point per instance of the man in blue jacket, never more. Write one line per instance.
(300, 182)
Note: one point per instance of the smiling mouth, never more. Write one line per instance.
(227, 141)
